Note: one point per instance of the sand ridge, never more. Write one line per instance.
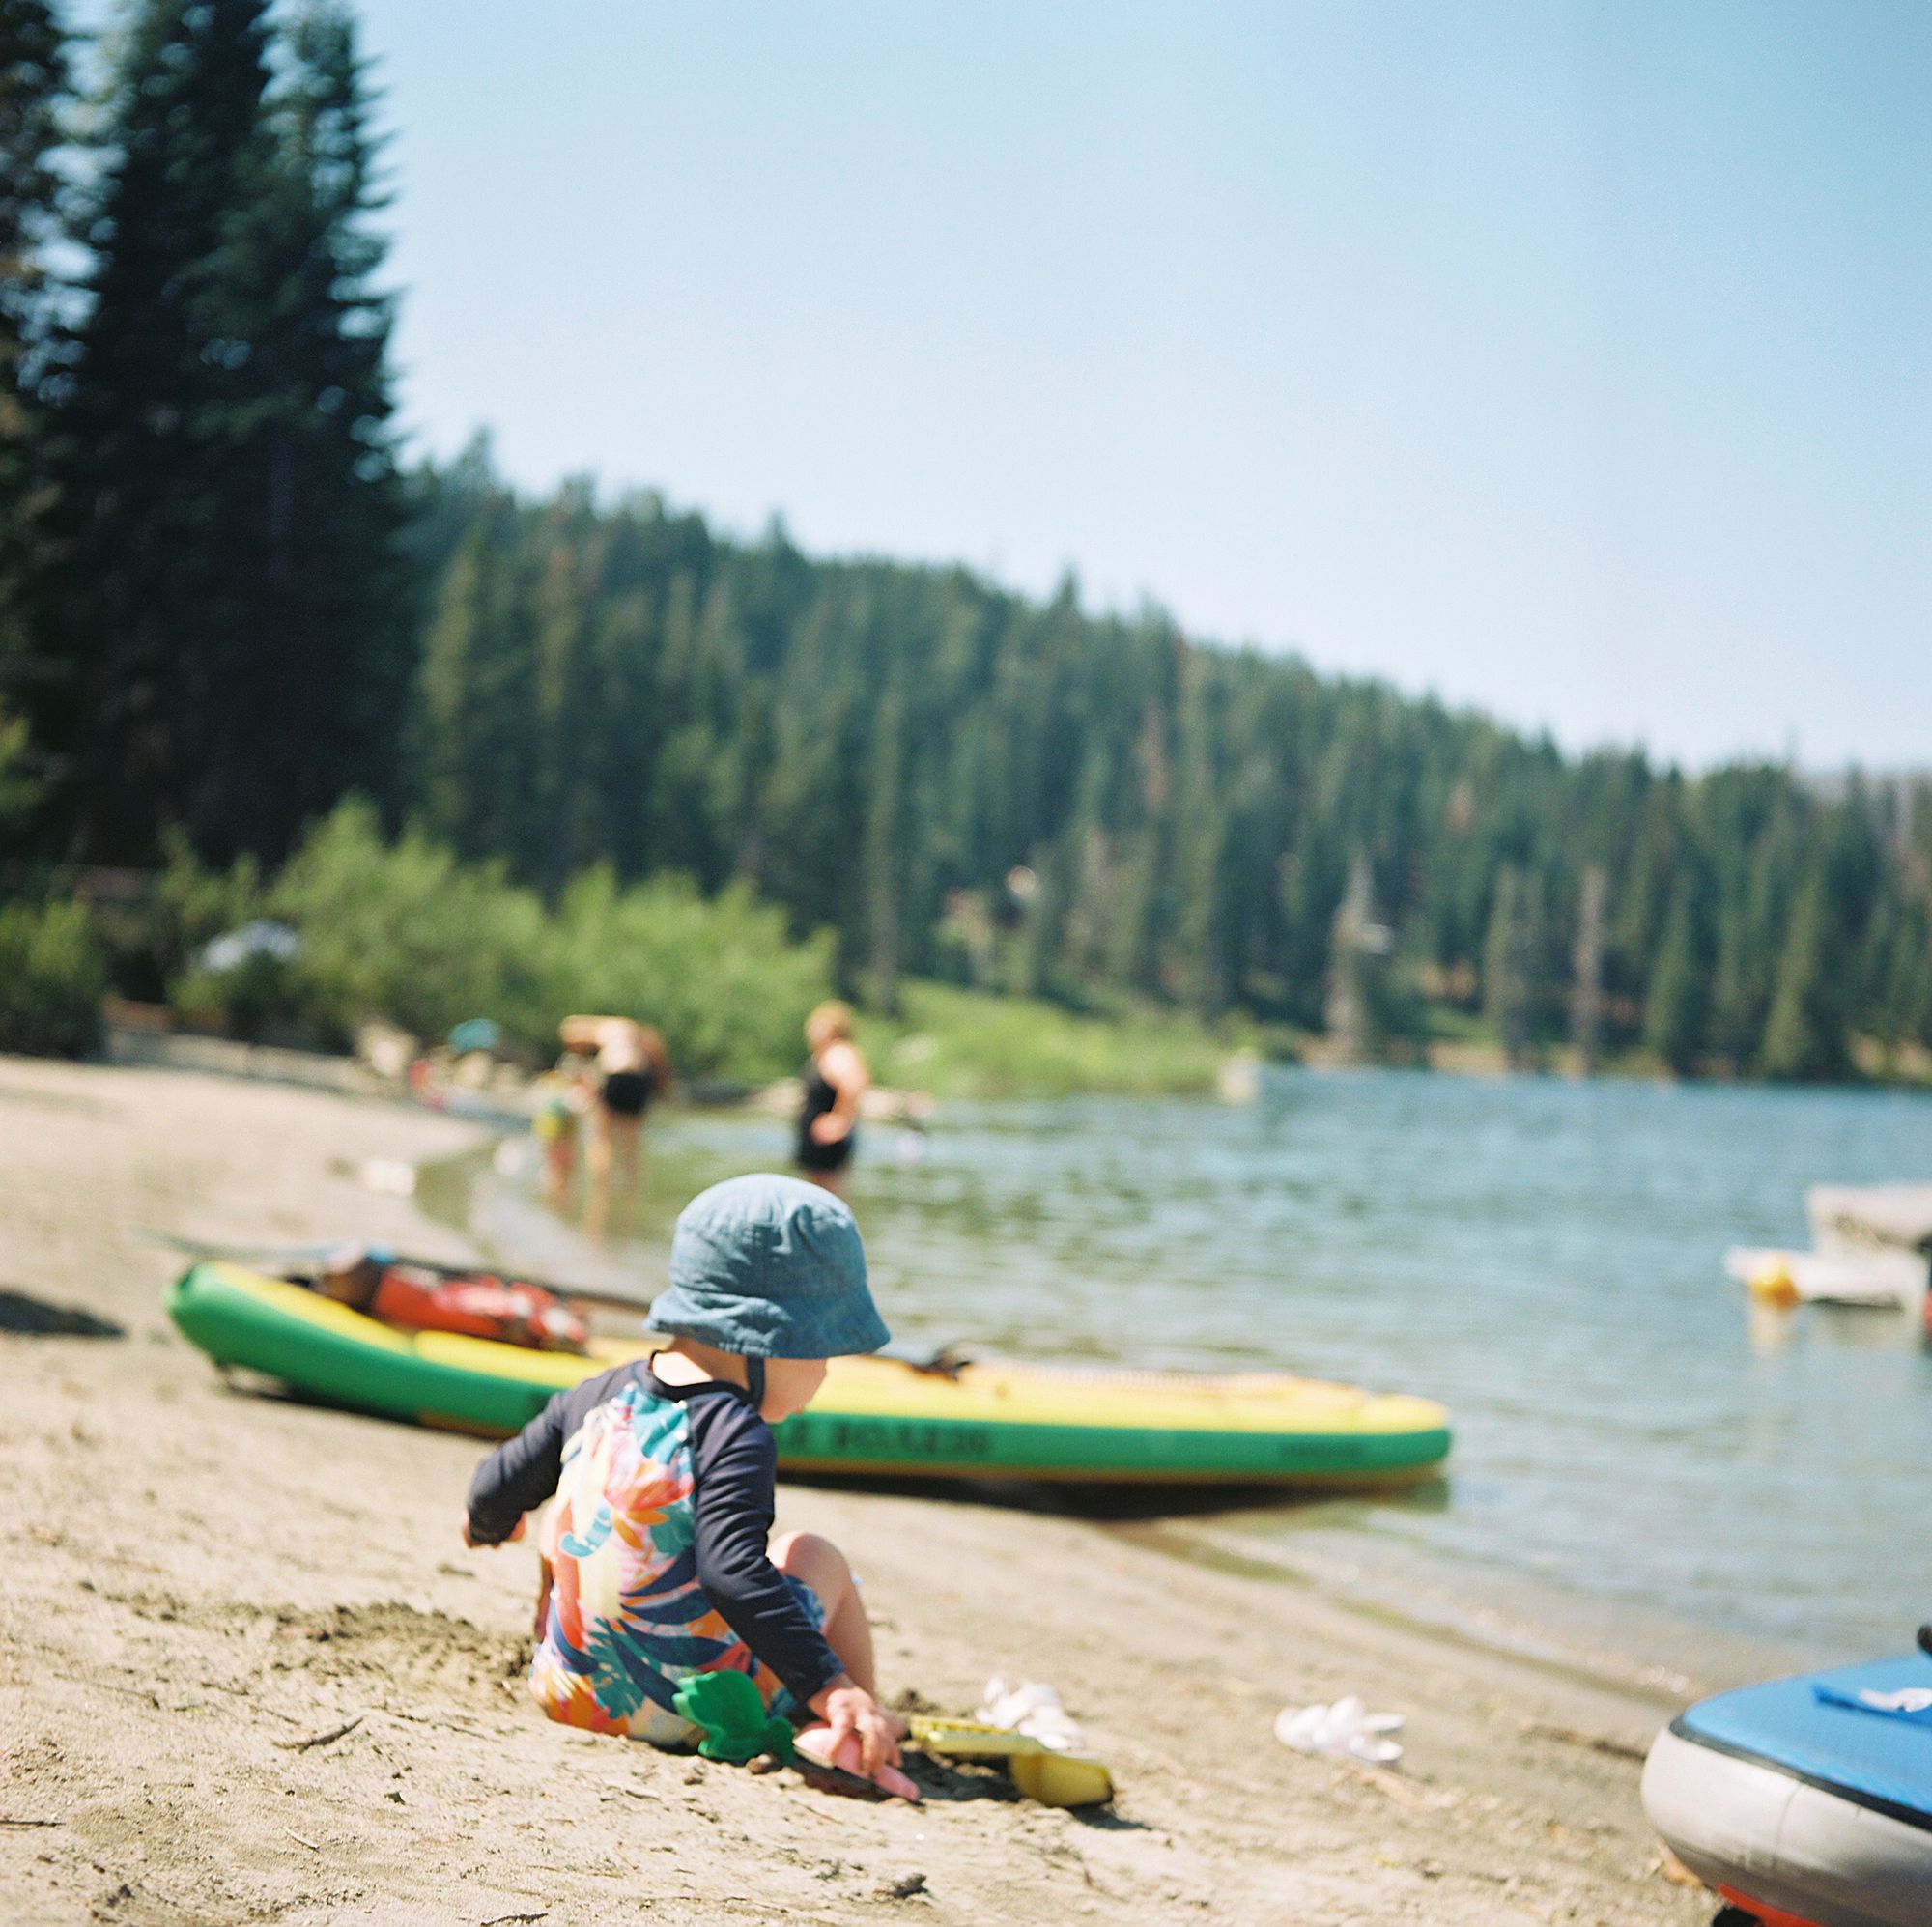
(248, 1673)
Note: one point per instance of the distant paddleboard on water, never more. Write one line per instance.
(1882, 1276)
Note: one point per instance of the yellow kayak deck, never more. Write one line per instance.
(983, 1419)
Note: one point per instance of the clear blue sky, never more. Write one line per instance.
(1574, 360)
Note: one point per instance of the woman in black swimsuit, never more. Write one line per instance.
(633, 1067)
(626, 1093)
(835, 1078)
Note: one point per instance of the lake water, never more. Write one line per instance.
(1643, 1461)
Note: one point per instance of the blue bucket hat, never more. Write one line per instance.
(769, 1267)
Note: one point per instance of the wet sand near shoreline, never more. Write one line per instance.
(248, 1672)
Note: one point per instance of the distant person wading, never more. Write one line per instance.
(835, 1079)
(631, 1069)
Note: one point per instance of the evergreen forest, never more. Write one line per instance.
(228, 602)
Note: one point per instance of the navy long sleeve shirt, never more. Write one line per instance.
(734, 1470)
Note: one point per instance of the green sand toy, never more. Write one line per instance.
(730, 1712)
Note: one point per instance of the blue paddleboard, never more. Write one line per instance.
(1863, 1733)
(1806, 1802)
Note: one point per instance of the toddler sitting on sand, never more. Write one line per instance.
(655, 1558)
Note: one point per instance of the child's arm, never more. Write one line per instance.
(850, 1712)
(735, 1464)
(517, 1478)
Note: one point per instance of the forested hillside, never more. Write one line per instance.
(881, 747)
(223, 607)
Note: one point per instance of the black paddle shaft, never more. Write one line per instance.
(945, 1360)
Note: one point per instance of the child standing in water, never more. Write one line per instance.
(658, 1560)
(563, 1094)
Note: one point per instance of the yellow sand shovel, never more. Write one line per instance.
(1040, 1773)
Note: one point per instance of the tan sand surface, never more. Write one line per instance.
(247, 1671)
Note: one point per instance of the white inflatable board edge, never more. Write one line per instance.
(1780, 1840)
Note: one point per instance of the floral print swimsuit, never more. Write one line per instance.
(656, 1546)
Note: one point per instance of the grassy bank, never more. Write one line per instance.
(965, 1043)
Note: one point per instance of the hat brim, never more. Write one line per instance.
(759, 1328)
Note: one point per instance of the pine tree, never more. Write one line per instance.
(146, 515)
(1043, 904)
(1676, 1009)
(1586, 1006)
(1645, 881)
(1767, 842)
(1896, 955)
(1137, 919)
(1806, 1037)
(474, 745)
(32, 91)
(1510, 954)
(884, 853)
(558, 842)
(33, 87)
(1205, 833)
(231, 579)
(317, 665)
(810, 803)
(1357, 999)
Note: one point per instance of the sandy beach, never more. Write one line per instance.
(248, 1672)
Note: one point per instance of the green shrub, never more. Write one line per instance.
(719, 977)
(407, 932)
(194, 905)
(260, 996)
(52, 975)
(151, 948)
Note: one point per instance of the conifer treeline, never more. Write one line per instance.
(207, 618)
(881, 747)
(217, 608)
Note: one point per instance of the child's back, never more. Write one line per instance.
(658, 1556)
(642, 1570)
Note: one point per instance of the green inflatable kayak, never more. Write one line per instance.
(985, 1420)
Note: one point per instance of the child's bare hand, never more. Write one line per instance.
(850, 1709)
(471, 1540)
